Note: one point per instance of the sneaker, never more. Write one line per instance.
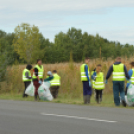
(35, 98)
(124, 103)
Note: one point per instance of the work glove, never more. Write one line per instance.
(40, 82)
(130, 81)
(106, 81)
(90, 84)
(93, 77)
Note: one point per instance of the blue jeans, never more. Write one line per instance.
(118, 89)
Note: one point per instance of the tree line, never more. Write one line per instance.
(26, 44)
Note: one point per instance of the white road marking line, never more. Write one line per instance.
(80, 118)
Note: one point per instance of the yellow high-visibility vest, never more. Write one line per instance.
(83, 73)
(118, 72)
(40, 72)
(24, 77)
(132, 78)
(99, 81)
(56, 80)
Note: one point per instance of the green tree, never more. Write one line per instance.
(27, 42)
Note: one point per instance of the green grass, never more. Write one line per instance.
(19, 97)
(107, 99)
(66, 99)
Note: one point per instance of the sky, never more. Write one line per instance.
(111, 19)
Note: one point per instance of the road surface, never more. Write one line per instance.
(21, 117)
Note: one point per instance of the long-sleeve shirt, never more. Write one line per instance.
(48, 79)
(36, 71)
(93, 75)
(86, 71)
(111, 70)
(130, 72)
(27, 75)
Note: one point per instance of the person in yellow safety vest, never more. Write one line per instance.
(131, 75)
(37, 76)
(98, 77)
(85, 78)
(119, 72)
(26, 77)
(55, 84)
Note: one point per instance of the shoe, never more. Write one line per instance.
(35, 98)
(124, 103)
(85, 99)
(88, 99)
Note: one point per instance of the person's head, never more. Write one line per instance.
(118, 59)
(87, 60)
(54, 71)
(98, 68)
(132, 64)
(29, 67)
(39, 61)
(49, 73)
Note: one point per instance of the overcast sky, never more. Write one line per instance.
(112, 19)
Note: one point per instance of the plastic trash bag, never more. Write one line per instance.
(128, 103)
(30, 90)
(130, 95)
(44, 92)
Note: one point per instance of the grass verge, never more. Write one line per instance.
(66, 99)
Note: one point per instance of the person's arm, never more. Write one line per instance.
(93, 75)
(109, 72)
(27, 75)
(86, 71)
(126, 73)
(130, 72)
(36, 73)
(48, 79)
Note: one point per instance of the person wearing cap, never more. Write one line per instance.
(26, 77)
(55, 84)
(49, 76)
(38, 76)
(131, 75)
(119, 71)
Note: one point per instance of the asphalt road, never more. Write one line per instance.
(19, 117)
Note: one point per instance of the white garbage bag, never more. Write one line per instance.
(44, 92)
(128, 103)
(130, 95)
(30, 90)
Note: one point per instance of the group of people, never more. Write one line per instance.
(37, 78)
(97, 81)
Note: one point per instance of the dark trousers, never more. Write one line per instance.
(26, 84)
(87, 90)
(54, 91)
(126, 91)
(118, 89)
(36, 84)
(98, 95)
